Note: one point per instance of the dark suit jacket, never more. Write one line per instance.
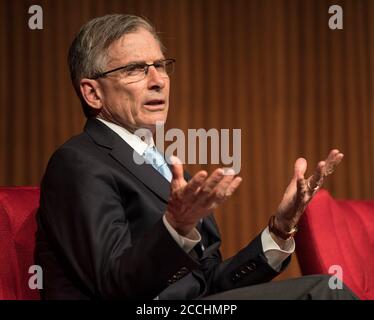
(101, 235)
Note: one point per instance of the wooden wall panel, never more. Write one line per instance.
(272, 68)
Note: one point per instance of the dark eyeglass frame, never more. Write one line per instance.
(127, 67)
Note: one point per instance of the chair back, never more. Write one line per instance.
(18, 206)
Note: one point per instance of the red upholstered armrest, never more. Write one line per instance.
(339, 232)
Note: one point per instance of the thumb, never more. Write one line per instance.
(300, 168)
(176, 170)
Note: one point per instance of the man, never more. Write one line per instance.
(112, 229)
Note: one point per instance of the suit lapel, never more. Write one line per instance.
(145, 173)
(123, 153)
(148, 175)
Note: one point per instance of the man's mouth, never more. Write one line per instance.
(155, 103)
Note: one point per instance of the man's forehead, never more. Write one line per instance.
(137, 46)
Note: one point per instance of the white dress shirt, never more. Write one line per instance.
(273, 252)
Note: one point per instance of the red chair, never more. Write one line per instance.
(339, 232)
(18, 206)
(332, 232)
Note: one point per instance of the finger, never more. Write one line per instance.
(219, 192)
(176, 170)
(300, 168)
(333, 153)
(216, 198)
(234, 185)
(229, 176)
(211, 182)
(316, 180)
(333, 159)
(206, 195)
(194, 185)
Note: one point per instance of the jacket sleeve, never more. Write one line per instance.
(82, 214)
(248, 267)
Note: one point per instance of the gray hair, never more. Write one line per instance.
(88, 52)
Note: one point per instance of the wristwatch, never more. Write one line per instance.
(279, 233)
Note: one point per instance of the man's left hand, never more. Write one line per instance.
(301, 190)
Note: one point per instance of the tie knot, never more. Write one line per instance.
(156, 159)
(152, 156)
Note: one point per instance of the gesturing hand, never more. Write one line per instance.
(301, 190)
(189, 202)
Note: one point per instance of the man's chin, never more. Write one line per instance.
(154, 119)
(155, 123)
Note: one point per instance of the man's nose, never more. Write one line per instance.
(155, 79)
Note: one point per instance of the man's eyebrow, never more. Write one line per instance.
(135, 62)
(142, 61)
(116, 63)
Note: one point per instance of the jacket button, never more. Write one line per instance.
(184, 270)
(236, 276)
(252, 266)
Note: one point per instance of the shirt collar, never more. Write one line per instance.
(131, 139)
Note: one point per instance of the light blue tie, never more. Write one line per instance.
(153, 157)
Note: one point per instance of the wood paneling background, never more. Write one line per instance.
(272, 68)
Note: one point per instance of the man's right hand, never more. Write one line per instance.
(192, 201)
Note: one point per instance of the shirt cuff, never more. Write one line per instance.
(273, 252)
(186, 243)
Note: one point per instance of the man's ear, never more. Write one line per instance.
(90, 90)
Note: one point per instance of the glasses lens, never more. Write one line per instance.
(169, 67)
(135, 72)
(138, 72)
(164, 67)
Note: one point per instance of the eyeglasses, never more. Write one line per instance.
(135, 72)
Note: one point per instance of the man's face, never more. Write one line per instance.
(140, 104)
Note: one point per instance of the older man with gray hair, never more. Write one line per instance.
(109, 228)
